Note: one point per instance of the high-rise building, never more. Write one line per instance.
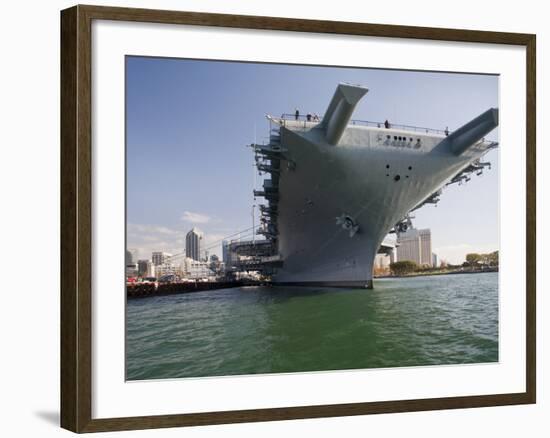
(415, 245)
(193, 244)
(159, 257)
(435, 260)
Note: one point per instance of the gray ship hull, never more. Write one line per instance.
(336, 202)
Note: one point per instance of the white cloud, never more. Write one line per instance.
(143, 229)
(195, 218)
(147, 238)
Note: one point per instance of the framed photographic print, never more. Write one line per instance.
(268, 218)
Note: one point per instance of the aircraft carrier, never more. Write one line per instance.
(338, 186)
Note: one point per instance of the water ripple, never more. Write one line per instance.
(403, 322)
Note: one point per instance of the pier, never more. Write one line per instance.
(141, 290)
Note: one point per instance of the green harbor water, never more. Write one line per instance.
(446, 319)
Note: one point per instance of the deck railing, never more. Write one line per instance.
(308, 121)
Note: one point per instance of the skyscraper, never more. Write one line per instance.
(193, 244)
(415, 245)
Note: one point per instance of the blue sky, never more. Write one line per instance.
(189, 121)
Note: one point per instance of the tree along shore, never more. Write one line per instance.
(439, 272)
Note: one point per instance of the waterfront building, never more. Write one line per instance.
(193, 241)
(146, 268)
(196, 269)
(159, 257)
(435, 260)
(166, 269)
(415, 245)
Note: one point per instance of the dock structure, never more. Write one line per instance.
(141, 290)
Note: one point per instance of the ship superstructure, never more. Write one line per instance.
(338, 186)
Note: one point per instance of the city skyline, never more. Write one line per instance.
(188, 165)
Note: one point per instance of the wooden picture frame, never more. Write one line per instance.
(76, 217)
